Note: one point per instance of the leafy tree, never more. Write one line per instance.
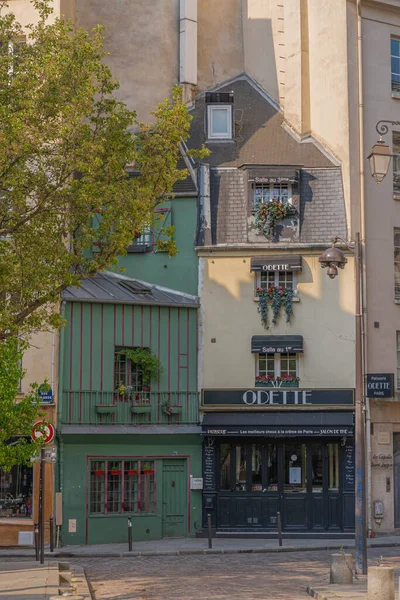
(16, 418)
(68, 206)
(65, 141)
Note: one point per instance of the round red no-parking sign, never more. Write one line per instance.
(48, 431)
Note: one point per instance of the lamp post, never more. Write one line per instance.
(379, 159)
(333, 259)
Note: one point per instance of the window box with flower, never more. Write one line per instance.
(267, 214)
(276, 297)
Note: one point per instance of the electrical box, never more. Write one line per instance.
(378, 510)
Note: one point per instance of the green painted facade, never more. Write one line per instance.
(105, 476)
(178, 272)
(113, 528)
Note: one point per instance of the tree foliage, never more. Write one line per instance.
(65, 141)
(16, 418)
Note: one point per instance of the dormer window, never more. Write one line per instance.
(265, 192)
(219, 122)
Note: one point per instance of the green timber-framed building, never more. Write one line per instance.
(132, 457)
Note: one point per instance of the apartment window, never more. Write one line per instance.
(127, 373)
(397, 263)
(396, 164)
(398, 359)
(122, 486)
(395, 61)
(285, 279)
(265, 192)
(219, 122)
(277, 365)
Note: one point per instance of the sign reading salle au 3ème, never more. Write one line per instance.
(278, 397)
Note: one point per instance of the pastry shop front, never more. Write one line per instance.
(287, 450)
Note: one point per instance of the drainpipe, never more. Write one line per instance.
(59, 401)
(363, 252)
(204, 240)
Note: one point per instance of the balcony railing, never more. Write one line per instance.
(145, 408)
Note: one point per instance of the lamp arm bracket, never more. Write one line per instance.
(383, 129)
(349, 245)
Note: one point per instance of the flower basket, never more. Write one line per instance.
(141, 409)
(171, 409)
(115, 472)
(267, 214)
(132, 472)
(98, 473)
(269, 384)
(286, 381)
(148, 471)
(276, 297)
(105, 409)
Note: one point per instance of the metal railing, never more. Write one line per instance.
(82, 407)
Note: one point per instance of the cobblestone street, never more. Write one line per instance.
(244, 576)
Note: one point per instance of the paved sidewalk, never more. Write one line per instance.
(28, 581)
(200, 546)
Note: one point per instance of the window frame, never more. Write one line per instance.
(127, 371)
(219, 136)
(395, 89)
(396, 261)
(277, 362)
(276, 278)
(398, 358)
(103, 488)
(271, 191)
(395, 163)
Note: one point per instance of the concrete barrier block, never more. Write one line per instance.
(342, 569)
(380, 583)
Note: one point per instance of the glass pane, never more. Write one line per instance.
(97, 477)
(114, 478)
(286, 279)
(333, 466)
(241, 467)
(131, 486)
(294, 467)
(225, 467)
(256, 466)
(395, 66)
(146, 499)
(219, 117)
(288, 364)
(272, 468)
(266, 365)
(317, 470)
(395, 82)
(267, 279)
(16, 492)
(394, 47)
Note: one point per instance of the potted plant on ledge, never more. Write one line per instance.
(286, 381)
(141, 405)
(171, 409)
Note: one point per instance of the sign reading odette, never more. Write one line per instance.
(278, 396)
(380, 385)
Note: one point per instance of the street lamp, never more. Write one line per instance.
(379, 159)
(333, 259)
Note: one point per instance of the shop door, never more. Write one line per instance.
(175, 499)
(311, 495)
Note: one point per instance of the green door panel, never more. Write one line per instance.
(174, 498)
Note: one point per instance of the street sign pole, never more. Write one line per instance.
(41, 506)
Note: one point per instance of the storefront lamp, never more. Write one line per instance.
(333, 259)
(379, 160)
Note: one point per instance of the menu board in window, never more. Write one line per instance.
(349, 471)
(209, 465)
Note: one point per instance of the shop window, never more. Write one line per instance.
(16, 488)
(396, 165)
(395, 64)
(248, 467)
(294, 467)
(127, 373)
(317, 470)
(265, 192)
(109, 477)
(397, 263)
(277, 365)
(333, 467)
(272, 468)
(240, 482)
(225, 466)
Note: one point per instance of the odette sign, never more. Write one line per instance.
(380, 385)
(267, 397)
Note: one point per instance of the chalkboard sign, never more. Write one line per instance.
(349, 471)
(209, 465)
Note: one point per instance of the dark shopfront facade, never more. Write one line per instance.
(270, 450)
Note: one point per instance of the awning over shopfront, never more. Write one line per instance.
(290, 262)
(284, 424)
(262, 344)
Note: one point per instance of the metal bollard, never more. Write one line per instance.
(278, 519)
(130, 534)
(209, 531)
(36, 538)
(51, 534)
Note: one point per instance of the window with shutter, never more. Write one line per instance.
(162, 231)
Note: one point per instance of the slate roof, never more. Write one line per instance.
(259, 136)
(114, 288)
(184, 186)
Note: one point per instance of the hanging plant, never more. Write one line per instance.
(268, 213)
(276, 297)
(147, 362)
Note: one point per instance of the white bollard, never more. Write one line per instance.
(342, 569)
(380, 583)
